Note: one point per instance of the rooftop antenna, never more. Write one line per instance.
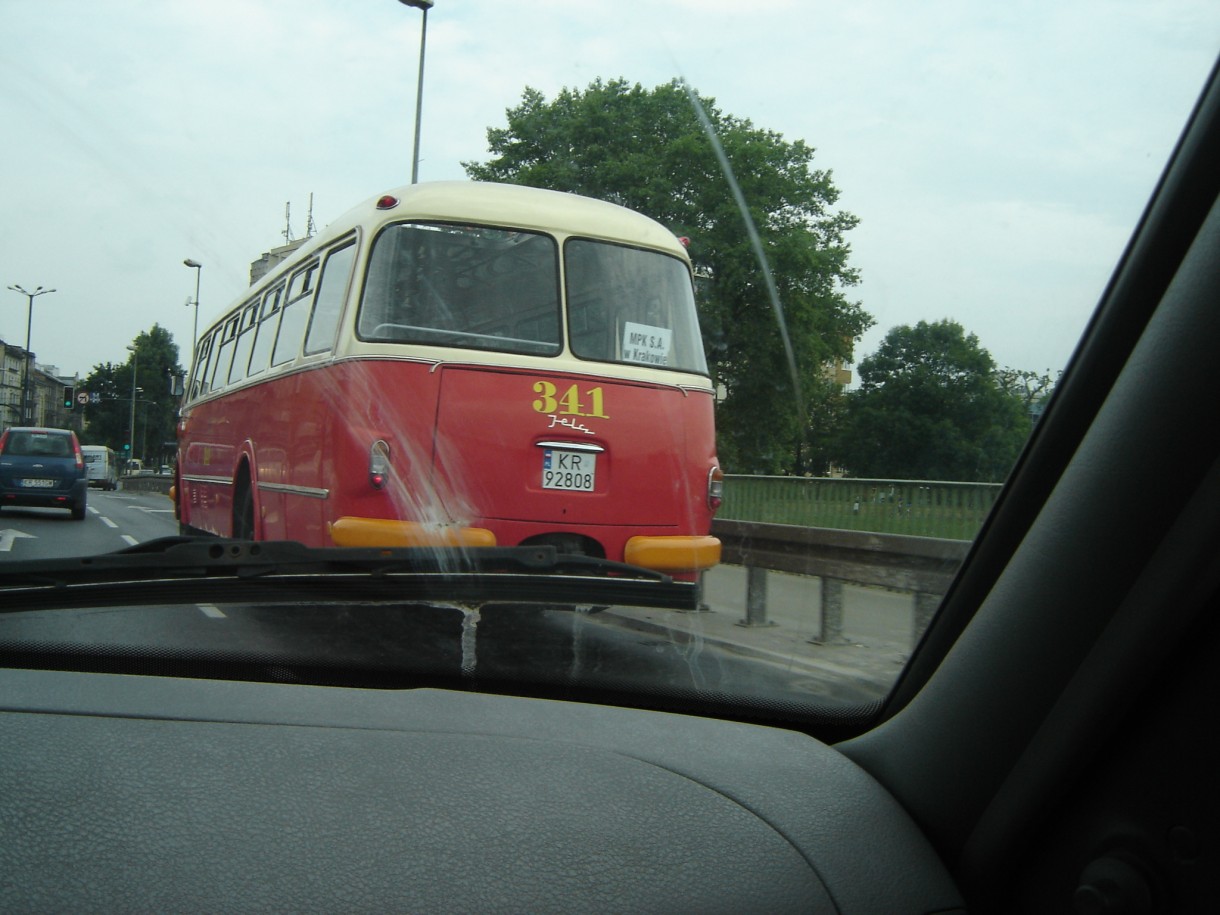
(310, 227)
(287, 233)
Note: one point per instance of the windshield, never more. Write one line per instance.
(732, 321)
(460, 286)
(629, 305)
(498, 289)
(20, 443)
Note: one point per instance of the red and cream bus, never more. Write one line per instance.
(462, 363)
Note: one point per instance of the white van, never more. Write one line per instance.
(102, 466)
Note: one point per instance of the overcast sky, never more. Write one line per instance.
(997, 154)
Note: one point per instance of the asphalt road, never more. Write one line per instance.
(113, 521)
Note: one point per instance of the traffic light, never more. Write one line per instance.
(69, 398)
(126, 446)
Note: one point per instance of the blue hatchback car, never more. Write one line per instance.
(43, 467)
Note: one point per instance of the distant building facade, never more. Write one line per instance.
(47, 392)
(270, 259)
(12, 362)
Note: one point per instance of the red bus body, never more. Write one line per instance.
(369, 443)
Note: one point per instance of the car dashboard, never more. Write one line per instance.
(140, 793)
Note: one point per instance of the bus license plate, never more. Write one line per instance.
(38, 484)
(571, 470)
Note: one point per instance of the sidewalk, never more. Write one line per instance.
(877, 627)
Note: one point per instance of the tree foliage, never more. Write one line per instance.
(1033, 389)
(646, 150)
(932, 406)
(108, 422)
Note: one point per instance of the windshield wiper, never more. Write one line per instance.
(218, 569)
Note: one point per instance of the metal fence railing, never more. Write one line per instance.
(953, 511)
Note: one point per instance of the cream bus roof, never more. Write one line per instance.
(518, 206)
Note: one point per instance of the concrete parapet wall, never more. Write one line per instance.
(147, 482)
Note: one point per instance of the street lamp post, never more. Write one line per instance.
(423, 5)
(144, 425)
(131, 438)
(198, 268)
(25, 376)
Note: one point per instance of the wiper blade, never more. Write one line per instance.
(227, 569)
(209, 556)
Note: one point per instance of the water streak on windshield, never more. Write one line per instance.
(470, 625)
(755, 240)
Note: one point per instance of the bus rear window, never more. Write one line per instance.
(631, 305)
(463, 286)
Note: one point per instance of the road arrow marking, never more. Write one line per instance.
(8, 536)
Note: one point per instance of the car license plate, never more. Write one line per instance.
(571, 470)
(38, 484)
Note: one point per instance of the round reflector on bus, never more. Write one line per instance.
(379, 463)
(715, 487)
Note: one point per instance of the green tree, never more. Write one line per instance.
(816, 454)
(931, 406)
(646, 149)
(106, 415)
(1032, 388)
(108, 422)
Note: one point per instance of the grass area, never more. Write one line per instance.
(953, 511)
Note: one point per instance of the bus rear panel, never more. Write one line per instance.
(463, 364)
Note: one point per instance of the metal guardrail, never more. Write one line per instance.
(924, 566)
(945, 510)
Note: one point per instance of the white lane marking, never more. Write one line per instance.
(106, 521)
(8, 536)
(211, 610)
(150, 511)
(91, 509)
(131, 541)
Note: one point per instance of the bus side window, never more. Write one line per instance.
(213, 346)
(198, 388)
(265, 334)
(302, 282)
(228, 338)
(295, 315)
(328, 307)
(245, 342)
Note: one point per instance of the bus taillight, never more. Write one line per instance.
(379, 463)
(715, 488)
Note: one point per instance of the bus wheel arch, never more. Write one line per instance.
(244, 516)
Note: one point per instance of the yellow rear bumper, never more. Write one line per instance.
(673, 554)
(383, 532)
(662, 554)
